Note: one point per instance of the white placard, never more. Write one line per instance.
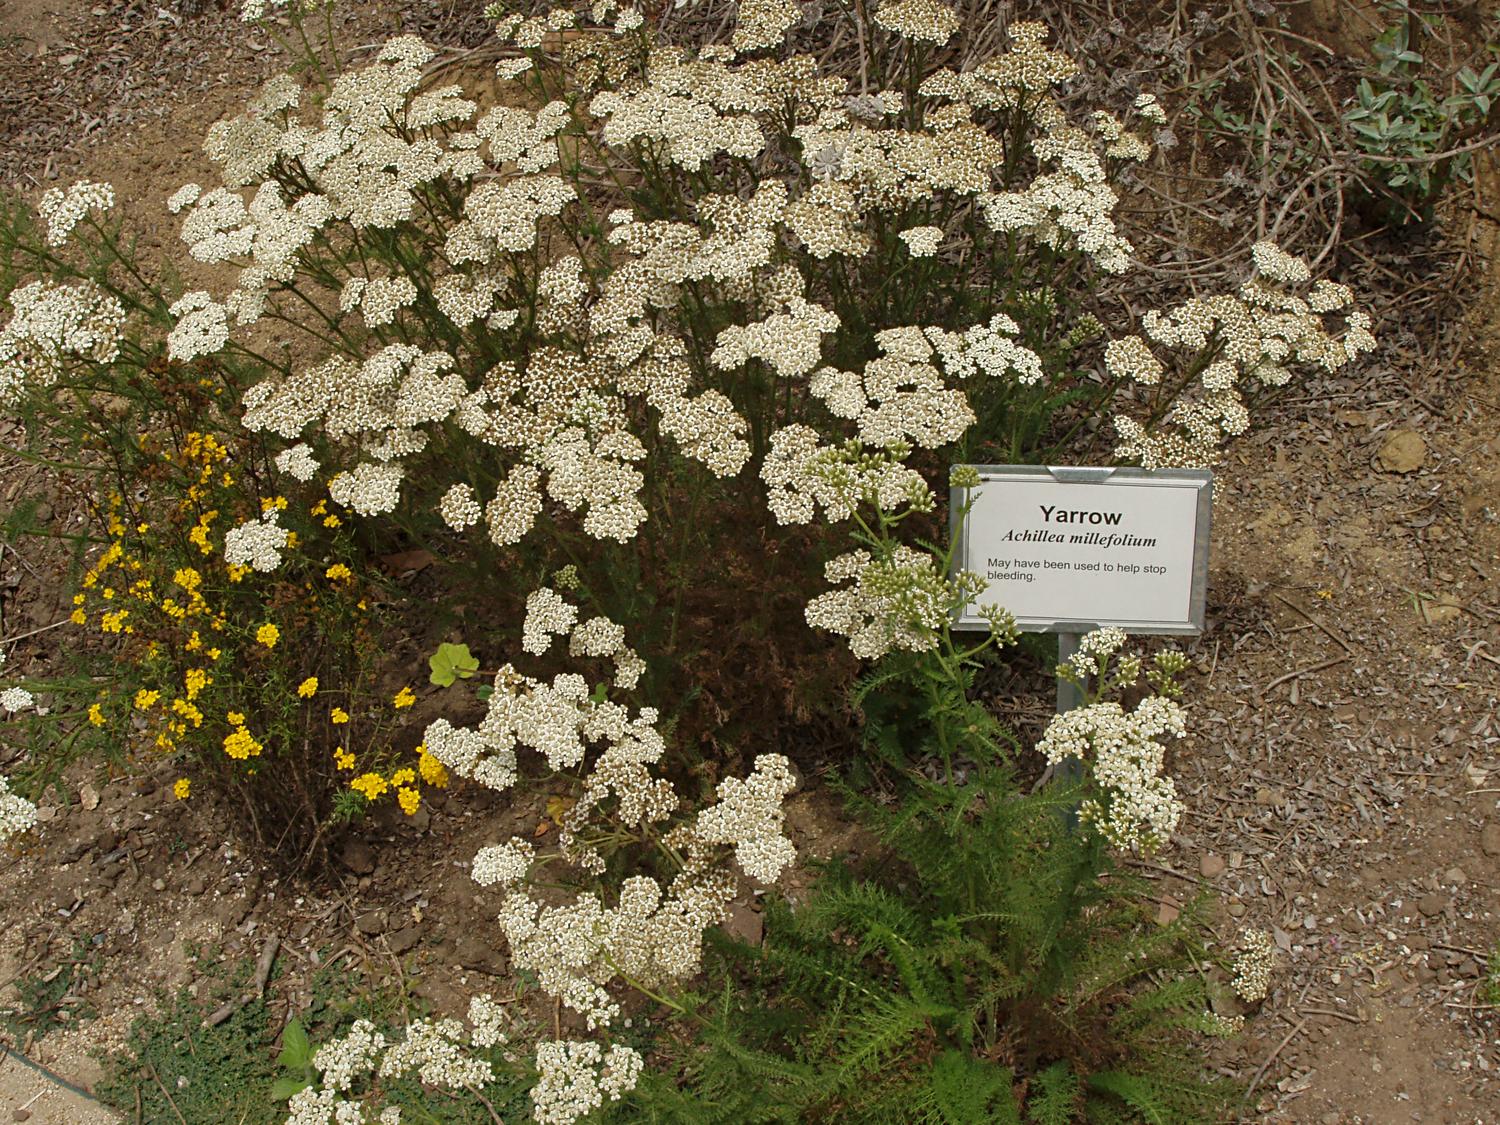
(1068, 549)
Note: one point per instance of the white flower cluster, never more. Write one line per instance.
(14, 699)
(1136, 808)
(1251, 337)
(202, 326)
(902, 602)
(575, 1077)
(298, 462)
(52, 325)
(749, 816)
(256, 543)
(803, 474)
(17, 814)
(504, 864)
(438, 1052)
(63, 210)
(1094, 648)
(1253, 963)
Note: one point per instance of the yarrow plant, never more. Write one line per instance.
(591, 315)
(1129, 801)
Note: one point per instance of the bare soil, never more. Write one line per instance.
(1342, 778)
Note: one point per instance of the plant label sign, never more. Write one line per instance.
(1067, 550)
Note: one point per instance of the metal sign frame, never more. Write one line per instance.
(1102, 477)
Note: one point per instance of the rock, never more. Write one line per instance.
(1432, 905)
(1211, 866)
(356, 855)
(88, 796)
(745, 925)
(372, 923)
(1167, 912)
(1237, 909)
(404, 940)
(158, 884)
(472, 953)
(1403, 452)
(1468, 968)
(419, 820)
(1417, 942)
(1456, 876)
(194, 885)
(1489, 838)
(20, 1114)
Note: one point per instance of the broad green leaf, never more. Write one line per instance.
(284, 1088)
(451, 662)
(296, 1051)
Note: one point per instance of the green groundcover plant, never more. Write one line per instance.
(601, 328)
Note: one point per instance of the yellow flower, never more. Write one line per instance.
(372, 785)
(235, 719)
(188, 578)
(213, 654)
(187, 711)
(144, 699)
(433, 771)
(113, 622)
(338, 571)
(194, 681)
(181, 787)
(142, 528)
(319, 508)
(279, 503)
(308, 687)
(404, 698)
(291, 540)
(331, 521)
(404, 776)
(193, 643)
(268, 635)
(78, 599)
(241, 744)
(78, 617)
(339, 716)
(237, 572)
(343, 759)
(409, 799)
(96, 715)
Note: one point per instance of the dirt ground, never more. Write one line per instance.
(1342, 780)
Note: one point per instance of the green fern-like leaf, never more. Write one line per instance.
(1055, 1097)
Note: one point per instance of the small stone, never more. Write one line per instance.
(88, 796)
(357, 857)
(404, 940)
(19, 1114)
(1456, 876)
(158, 884)
(195, 885)
(473, 953)
(1211, 866)
(1403, 452)
(1237, 909)
(1468, 968)
(1417, 943)
(1432, 905)
(1167, 912)
(419, 820)
(1264, 796)
(745, 924)
(1489, 838)
(373, 923)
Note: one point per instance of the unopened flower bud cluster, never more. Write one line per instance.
(1253, 964)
